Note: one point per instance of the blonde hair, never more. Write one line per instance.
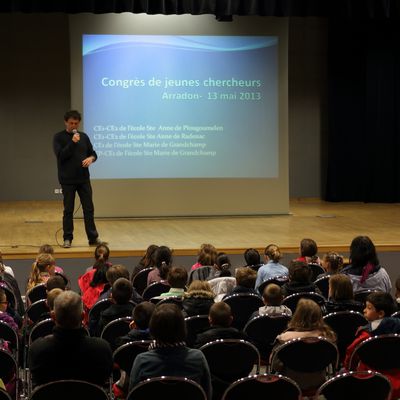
(199, 285)
(308, 317)
(273, 252)
(40, 268)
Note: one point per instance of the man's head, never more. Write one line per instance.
(72, 120)
(68, 310)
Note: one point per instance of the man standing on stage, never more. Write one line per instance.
(75, 153)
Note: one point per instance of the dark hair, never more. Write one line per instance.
(167, 324)
(122, 290)
(252, 257)
(177, 277)
(102, 252)
(382, 301)
(100, 276)
(163, 260)
(221, 314)
(299, 271)
(73, 114)
(223, 264)
(308, 248)
(142, 313)
(148, 259)
(56, 282)
(362, 252)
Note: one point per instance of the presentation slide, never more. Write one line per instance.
(165, 106)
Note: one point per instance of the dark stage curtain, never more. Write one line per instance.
(342, 8)
(364, 111)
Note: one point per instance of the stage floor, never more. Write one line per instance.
(26, 225)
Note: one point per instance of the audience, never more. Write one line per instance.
(299, 279)
(121, 306)
(198, 299)
(378, 309)
(332, 263)
(308, 252)
(168, 354)
(341, 296)
(272, 297)
(220, 318)
(69, 353)
(272, 268)
(252, 258)
(176, 278)
(307, 321)
(245, 281)
(364, 270)
(162, 262)
(207, 256)
(147, 261)
(42, 269)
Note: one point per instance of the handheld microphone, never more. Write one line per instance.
(75, 132)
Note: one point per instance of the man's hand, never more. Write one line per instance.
(87, 161)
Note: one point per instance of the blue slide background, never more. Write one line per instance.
(241, 136)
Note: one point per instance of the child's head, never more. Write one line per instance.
(220, 314)
(308, 248)
(3, 301)
(246, 277)
(46, 248)
(51, 296)
(207, 254)
(300, 272)
(308, 317)
(122, 291)
(252, 257)
(272, 295)
(177, 277)
(340, 287)
(54, 282)
(223, 264)
(378, 305)
(116, 271)
(273, 253)
(198, 285)
(167, 325)
(102, 252)
(142, 313)
(148, 259)
(45, 263)
(163, 260)
(332, 262)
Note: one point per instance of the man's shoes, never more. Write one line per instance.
(67, 244)
(95, 242)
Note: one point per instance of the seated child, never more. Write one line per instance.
(220, 318)
(378, 308)
(272, 297)
(4, 316)
(245, 281)
(139, 331)
(177, 278)
(122, 306)
(299, 279)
